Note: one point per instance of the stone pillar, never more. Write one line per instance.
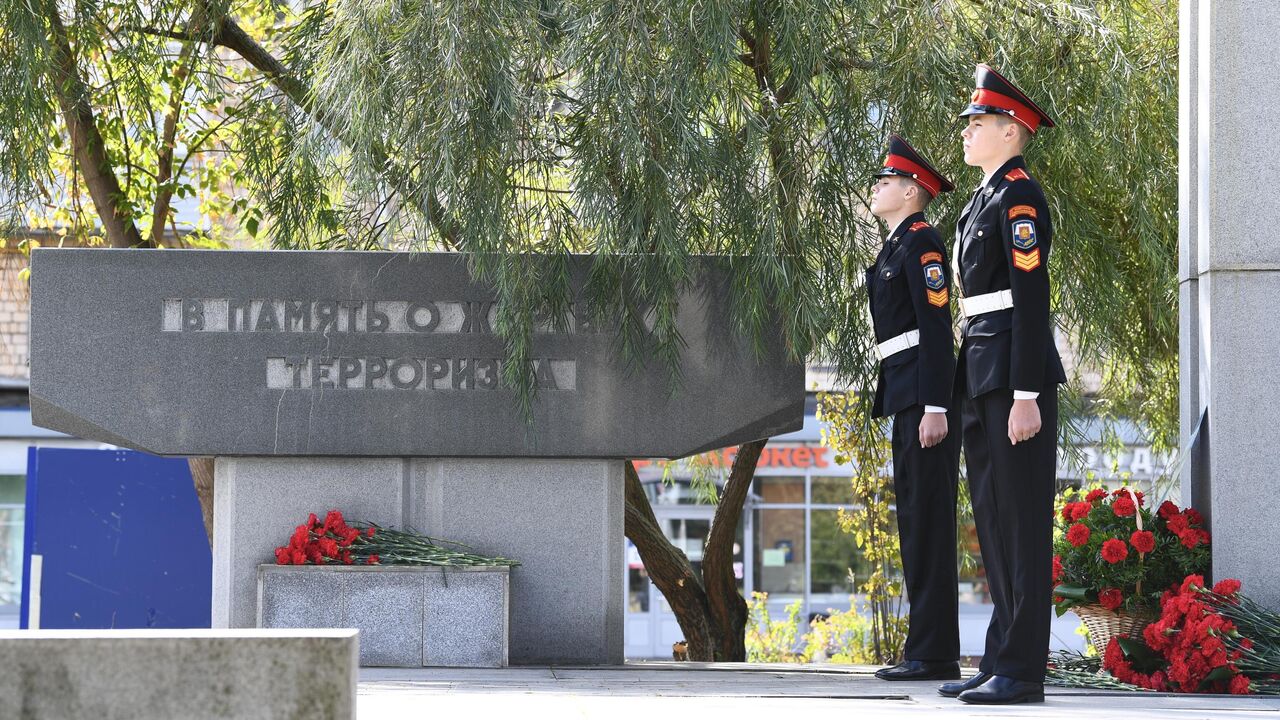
(1229, 271)
(561, 518)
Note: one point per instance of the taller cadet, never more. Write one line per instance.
(1008, 374)
(909, 289)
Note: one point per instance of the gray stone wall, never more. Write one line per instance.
(1229, 267)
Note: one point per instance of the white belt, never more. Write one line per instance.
(991, 302)
(894, 345)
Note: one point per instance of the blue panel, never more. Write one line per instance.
(122, 541)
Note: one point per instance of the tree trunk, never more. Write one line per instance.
(728, 609)
(202, 478)
(86, 140)
(670, 570)
(710, 610)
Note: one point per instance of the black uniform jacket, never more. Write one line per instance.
(910, 288)
(1002, 242)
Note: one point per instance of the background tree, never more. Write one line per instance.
(642, 132)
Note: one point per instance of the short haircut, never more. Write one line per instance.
(1024, 135)
(923, 197)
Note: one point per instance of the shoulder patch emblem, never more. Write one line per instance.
(934, 277)
(929, 257)
(1018, 211)
(1017, 174)
(1024, 234)
(918, 225)
(1026, 261)
(938, 298)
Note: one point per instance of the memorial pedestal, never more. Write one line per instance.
(562, 519)
(374, 383)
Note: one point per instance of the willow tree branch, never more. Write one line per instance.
(230, 35)
(718, 579)
(89, 147)
(669, 569)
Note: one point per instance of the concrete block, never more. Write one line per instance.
(1241, 151)
(467, 619)
(386, 606)
(408, 616)
(562, 519)
(188, 674)
(1244, 362)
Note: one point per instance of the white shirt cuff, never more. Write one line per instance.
(1025, 395)
(934, 409)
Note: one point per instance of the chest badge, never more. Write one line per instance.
(1024, 234)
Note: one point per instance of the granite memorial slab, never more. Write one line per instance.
(235, 353)
(408, 616)
(188, 674)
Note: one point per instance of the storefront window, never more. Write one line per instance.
(637, 590)
(835, 554)
(832, 491)
(780, 550)
(679, 491)
(12, 512)
(780, 490)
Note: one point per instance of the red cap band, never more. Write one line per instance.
(1022, 113)
(919, 173)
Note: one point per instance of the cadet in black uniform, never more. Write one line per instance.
(909, 290)
(1008, 374)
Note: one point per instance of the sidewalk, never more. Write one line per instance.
(711, 691)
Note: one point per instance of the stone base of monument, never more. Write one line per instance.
(407, 616)
(560, 518)
(189, 674)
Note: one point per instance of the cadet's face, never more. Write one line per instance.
(983, 139)
(887, 196)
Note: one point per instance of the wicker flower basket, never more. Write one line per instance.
(1104, 624)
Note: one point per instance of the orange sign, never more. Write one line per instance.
(800, 457)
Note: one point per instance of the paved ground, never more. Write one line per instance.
(696, 691)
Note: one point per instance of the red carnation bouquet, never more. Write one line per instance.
(1206, 641)
(1110, 550)
(334, 541)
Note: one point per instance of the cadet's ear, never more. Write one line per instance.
(1012, 132)
(910, 192)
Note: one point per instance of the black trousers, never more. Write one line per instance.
(924, 482)
(1012, 488)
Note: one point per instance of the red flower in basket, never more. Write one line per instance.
(1124, 506)
(1111, 598)
(1113, 551)
(1078, 534)
(1143, 541)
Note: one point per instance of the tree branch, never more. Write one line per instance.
(231, 36)
(669, 569)
(164, 161)
(90, 148)
(719, 581)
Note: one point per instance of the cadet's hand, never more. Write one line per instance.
(933, 428)
(1024, 420)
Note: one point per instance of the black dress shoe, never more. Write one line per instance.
(921, 670)
(1001, 690)
(954, 689)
